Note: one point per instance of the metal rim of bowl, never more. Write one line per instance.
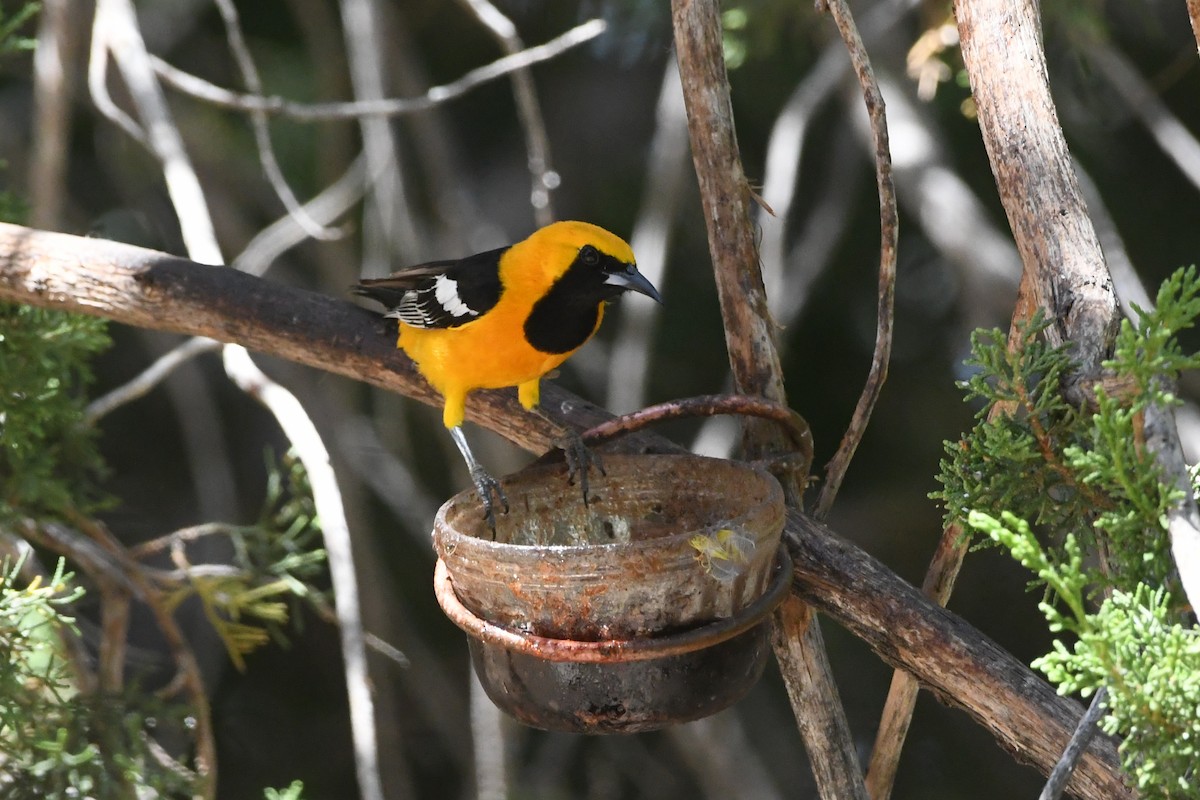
(613, 651)
(455, 536)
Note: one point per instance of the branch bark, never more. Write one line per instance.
(1193, 7)
(139, 287)
(1002, 50)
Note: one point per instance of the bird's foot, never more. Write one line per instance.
(579, 460)
(487, 487)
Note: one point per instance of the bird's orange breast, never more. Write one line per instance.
(489, 353)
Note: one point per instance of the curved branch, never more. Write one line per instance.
(383, 107)
(889, 233)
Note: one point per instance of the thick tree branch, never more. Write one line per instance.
(1002, 50)
(1064, 265)
(1193, 7)
(958, 664)
(147, 289)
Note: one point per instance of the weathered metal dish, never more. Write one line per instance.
(606, 618)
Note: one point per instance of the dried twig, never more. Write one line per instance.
(258, 255)
(388, 221)
(98, 80)
(147, 379)
(59, 37)
(949, 212)
(537, 142)
(724, 759)
(335, 532)
(389, 107)
(125, 42)
(1064, 270)
(889, 226)
(260, 126)
(710, 405)
(490, 740)
(1172, 136)
(1089, 726)
(785, 148)
(286, 232)
(116, 27)
(1064, 266)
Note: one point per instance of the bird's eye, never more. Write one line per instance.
(589, 255)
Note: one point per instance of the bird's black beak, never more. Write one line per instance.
(630, 279)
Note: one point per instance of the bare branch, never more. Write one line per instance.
(1172, 136)
(489, 739)
(949, 213)
(320, 112)
(911, 632)
(258, 123)
(98, 80)
(116, 27)
(389, 224)
(1064, 264)
(1084, 733)
(335, 532)
(786, 146)
(388, 477)
(1002, 50)
(286, 232)
(1193, 7)
(938, 584)
(59, 35)
(1126, 283)
(116, 18)
(258, 255)
(889, 225)
(152, 376)
(724, 759)
(537, 142)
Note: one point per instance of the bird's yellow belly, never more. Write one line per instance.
(479, 355)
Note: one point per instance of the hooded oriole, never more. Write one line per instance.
(506, 317)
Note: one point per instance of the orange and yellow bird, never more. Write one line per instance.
(506, 317)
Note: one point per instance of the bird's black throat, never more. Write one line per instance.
(565, 317)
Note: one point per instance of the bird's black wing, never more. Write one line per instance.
(440, 294)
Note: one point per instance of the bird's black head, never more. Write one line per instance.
(566, 316)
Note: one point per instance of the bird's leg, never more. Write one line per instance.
(579, 457)
(485, 484)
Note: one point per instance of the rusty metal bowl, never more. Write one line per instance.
(605, 618)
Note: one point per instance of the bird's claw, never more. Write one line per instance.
(487, 486)
(579, 460)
